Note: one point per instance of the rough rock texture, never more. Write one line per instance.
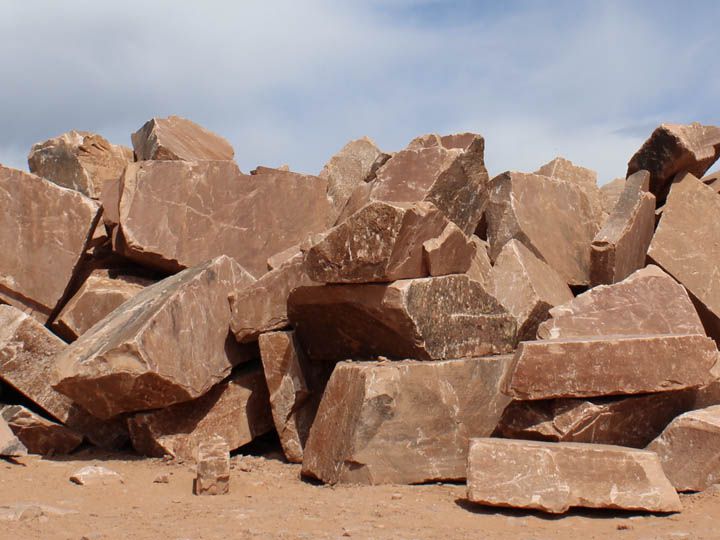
(564, 169)
(79, 160)
(403, 422)
(101, 293)
(177, 214)
(44, 229)
(675, 148)
(236, 410)
(626, 421)
(427, 318)
(682, 245)
(10, 445)
(648, 301)
(95, 475)
(213, 468)
(621, 246)
(39, 435)
(527, 287)
(553, 218)
(611, 365)
(552, 477)
(689, 449)
(610, 193)
(143, 355)
(480, 266)
(450, 253)
(177, 138)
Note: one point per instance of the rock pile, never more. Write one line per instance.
(398, 318)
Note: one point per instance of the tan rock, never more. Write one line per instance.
(427, 318)
(586, 179)
(480, 266)
(676, 148)
(177, 138)
(236, 410)
(610, 193)
(621, 246)
(689, 449)
(277, 260)
(450, 253)
(648, 301)
(39, 435)
(552, 477)
(167, 344)
(10, 445)
(48, 228)
(213, 468)
(95, 475)
(176, 214)
(79, 160)
(611, 365)
(553, 218)
(527, 287)
(403, 422)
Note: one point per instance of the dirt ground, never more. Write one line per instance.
(268, 500)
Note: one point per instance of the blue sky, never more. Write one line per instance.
(292, 81)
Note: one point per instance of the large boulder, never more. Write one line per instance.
(176, 138)
(39, 435)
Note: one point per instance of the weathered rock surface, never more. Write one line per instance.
(621, 246)
(10, 445)
(236, 410)
(586, 179)
(480, 266)
(39, 435)
(427, 318)
(177, 214)
(675, 148)
(552, 477)
(95, 475)
(213, 468)
(610, 194)
(450, 253)
(44, 229)
(169, 343)
(689, 449)
(611, 365)
(403, 422)
(648, 301)
(176, 138)
(553, 218)
(79, 160)
(527, 287)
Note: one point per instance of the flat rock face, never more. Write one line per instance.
(427, 318)
(610, 193)
(403, 422)
(681, 244)
(79, 160)
(527, 287)
(39, 435)
(101, 293)
(175, 138)
(611, 365)
(10, 445)
(625, 421)
(480, 266)
(450, 253)
(49, 227)
(621, 246)
(648, 301)
(142, 355)
(675, 148)
(553, 477)
(564, 169)
(213, 468)
(553, 218)
(236, 410)
(689, 449)
(176, 214)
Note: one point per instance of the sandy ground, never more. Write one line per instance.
(268, 500)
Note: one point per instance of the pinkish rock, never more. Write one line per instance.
(177, 138)
(610, 194)
(95, 475)
(39, 435)
(213, 468)
(450, 253)
(586, 179)
(10, 445)
(480, 266)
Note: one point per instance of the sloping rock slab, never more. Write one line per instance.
(176, 138)
(39, 435)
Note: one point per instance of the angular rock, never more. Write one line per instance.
(169, 343)
(10, 445)
(648, 301)
(213, 468)
(48, 227)
(176, 138)
(610, 193)
(689, 449)
(101, 293)
(403, 422)
(428, 319)
(177, 214)
(480, 266)
(552, 477)
(712, 180)
(626, 421)
(676, 148)
(79, 160)
(236, 410)
(611, 365)
(450, 253)
(621, 246)
(277, 260)
(586, 179)
(95, 475)
(39, 435)
(527, 287)
(553, 218)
